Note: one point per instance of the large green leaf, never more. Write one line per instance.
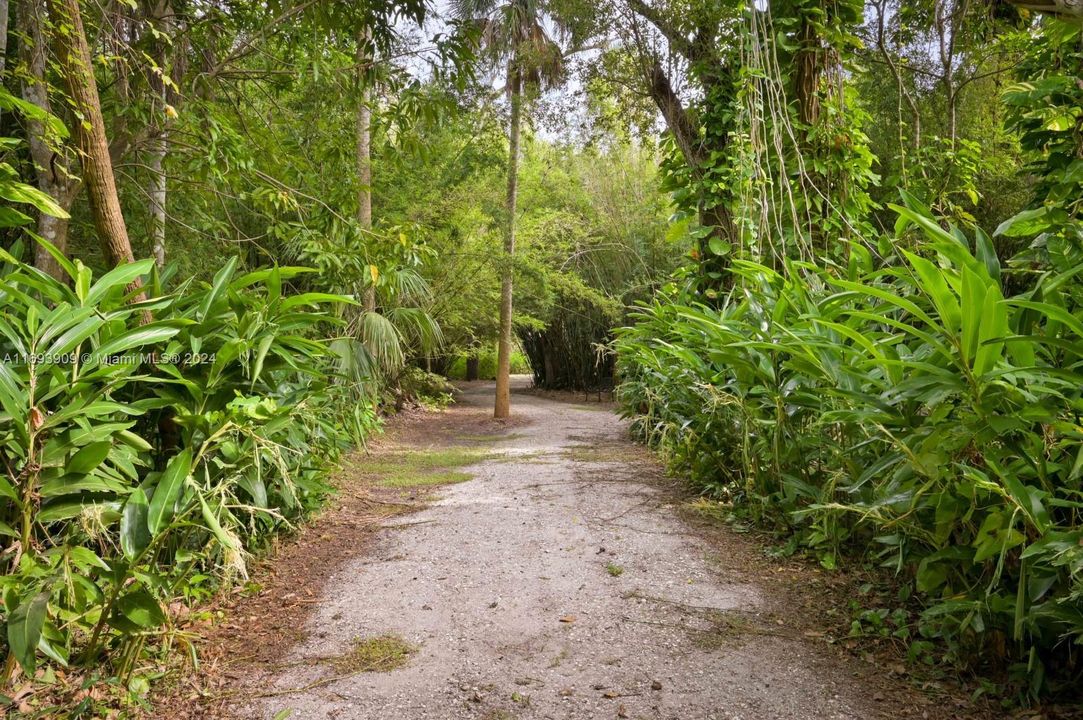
(24, 628)
(168, 490)
(122, 276)
(140, 607)
(88, 458)
(134, 534)
(19, 192)
(137, 338)
(218, 286)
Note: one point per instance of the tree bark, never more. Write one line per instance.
(73, 54)
(502, 407)
(807, 74)
(50, 167)
(364, 152)
(697, 149)
(5, 9)
(157, 193)
(159, 147)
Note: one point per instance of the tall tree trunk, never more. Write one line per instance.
(502, 407)
(160, 146)
(5, 9)
(157, 194)
(50, 167)
(73, 54)
(364, 150)
(807, 74)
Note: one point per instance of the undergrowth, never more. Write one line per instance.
(900, 411)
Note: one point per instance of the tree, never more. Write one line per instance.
(50, 158)
(364, 145)
(74, 55)
(513, 34)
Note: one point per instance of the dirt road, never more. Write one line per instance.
(559, 582)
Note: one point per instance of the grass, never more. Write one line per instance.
(382, 653)
(614, 569)
(421, 468)
(413, 479)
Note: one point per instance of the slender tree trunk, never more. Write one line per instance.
(364, 150)
(159, 148)
(903, 92)
(946, 29)
(50, 167)
(73, 54)
(5, 9)
(157, 194)
(807, 74)
(502, 407)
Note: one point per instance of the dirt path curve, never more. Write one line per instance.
(555, 584)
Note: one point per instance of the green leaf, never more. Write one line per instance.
(1053, 312)
(221, 279)
(261, 355)
(19, 192)
(1027, 222)
(24, 629)
(144, 335)
(75, 335)
(54, 125)
(88, 458)
(168, 490)
(78, 484)
(134, 533)
(61, 258)
(986, 253)
(140, 607)
(122, 275)
(315, 298)
(86, 557)
(718, 246)
(6, 489)
(934, 284)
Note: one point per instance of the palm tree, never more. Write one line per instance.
(513, 35)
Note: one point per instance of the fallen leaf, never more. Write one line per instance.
(568, 619)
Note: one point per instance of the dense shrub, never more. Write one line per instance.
(905, 411)
(487, 365)
(147, 446)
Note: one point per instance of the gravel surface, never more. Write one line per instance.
(558, 583)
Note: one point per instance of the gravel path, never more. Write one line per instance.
(558, 583)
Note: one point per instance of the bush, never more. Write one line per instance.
(425, 387)
(142, 460)
(909, 413)
(487, 365)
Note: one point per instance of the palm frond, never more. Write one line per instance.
(382, 341)
(472, 9)
(419, 329)
(405, 286)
